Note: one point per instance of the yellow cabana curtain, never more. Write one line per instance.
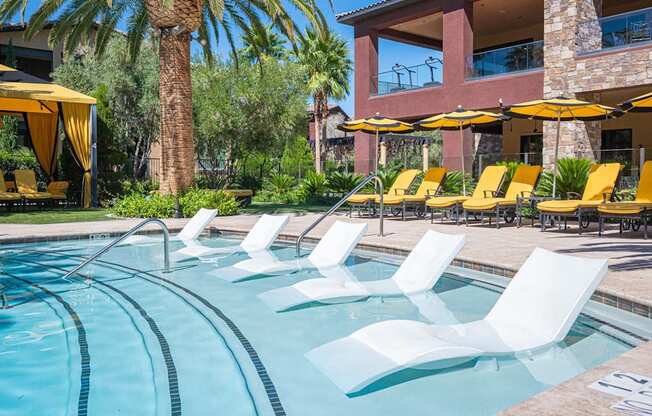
(76, 120)
(43, 132)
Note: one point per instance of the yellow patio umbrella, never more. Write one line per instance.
(561, 109)
(459, 120)
(376, 125)
(640, 104)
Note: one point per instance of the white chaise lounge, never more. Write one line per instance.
(535, 312)
(333, 249)
(260, 237)
(419, 272)
(189, 232)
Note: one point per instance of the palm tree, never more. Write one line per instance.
(325, 58)
(263, 42)
(171, 24)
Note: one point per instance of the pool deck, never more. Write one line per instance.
(628, 285)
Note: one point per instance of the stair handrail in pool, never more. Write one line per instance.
(166, 246)
(341, 202)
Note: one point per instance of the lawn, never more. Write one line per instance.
(276, 208)
(53, 216)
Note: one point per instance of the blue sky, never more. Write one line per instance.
(389, 52)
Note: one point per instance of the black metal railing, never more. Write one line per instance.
(522, 57)
(404, 78)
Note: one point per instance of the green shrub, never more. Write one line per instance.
(453, 183)
(279, 183)
(196, 198)
(314, 186)
(144, 206)
(343, 182)
(144, 187)
(20, 158)
(572, 175)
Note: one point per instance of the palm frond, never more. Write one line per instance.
(136, 28)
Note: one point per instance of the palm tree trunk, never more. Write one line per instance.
(318, 123)
(178, 167)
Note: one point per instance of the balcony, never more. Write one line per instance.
(620, 31)
(517, 58)
(405, 78)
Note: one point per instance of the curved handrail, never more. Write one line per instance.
(341, 202)
(166, 246)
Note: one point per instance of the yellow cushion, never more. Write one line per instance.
(523, 182)
(360, 198)
(490, 181)
(566, 206)
(485, 204)
(399, 199)
(240, 193)
(601, 180)
(9, 196)
(3, 186)
(58, 189)
(403, 181)
(432, 180)
(644, 192)
(37, 195)
(625, 207)
(445, 201)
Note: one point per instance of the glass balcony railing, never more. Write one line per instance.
(405, 78)
(515, 58)
(619, 31)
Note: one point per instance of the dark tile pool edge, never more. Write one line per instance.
(601, 296)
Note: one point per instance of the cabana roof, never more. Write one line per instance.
(21, 92)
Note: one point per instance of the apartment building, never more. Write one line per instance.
(490, 50)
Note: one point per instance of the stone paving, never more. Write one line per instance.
(630, 277)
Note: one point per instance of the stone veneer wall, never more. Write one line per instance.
(575, 66)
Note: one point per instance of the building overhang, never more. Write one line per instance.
(383, 6)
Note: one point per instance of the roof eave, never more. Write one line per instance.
(352, 17)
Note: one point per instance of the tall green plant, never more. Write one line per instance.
(8, 133)
(314, 186)
(325, 59)
(572, 175)
(453, 183)
(343, 182)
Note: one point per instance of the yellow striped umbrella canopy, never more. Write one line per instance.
(640, 104)
(561, 109)
(459, 120)
(376, 125)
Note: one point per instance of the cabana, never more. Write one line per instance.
(43, 105)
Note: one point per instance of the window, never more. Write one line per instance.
(616, 146)
(35, 62)
(532, 146)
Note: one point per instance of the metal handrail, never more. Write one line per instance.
(166, 246)
(341, 202)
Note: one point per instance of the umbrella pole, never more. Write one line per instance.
(554, 177)
(462, 158)
(377, 152)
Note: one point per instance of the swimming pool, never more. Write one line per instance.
(130, 339)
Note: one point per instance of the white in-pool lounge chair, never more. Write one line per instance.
(260, 237)
(333, 249)
(419, 272)
(191, 231)
(536, 311)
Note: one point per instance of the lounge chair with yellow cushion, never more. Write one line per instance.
(399, 187)
(489, 183)
(522, 185)
(7, 198)
(639, 210)
(599, 189)
(429, 187)
(27, 187)
(59, 191)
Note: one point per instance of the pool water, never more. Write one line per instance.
(131, 340)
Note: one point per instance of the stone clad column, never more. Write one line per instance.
(570, 27)
(366, 67)
(383, 154)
